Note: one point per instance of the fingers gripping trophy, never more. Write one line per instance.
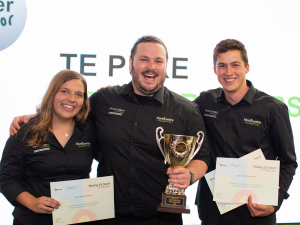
(178, 151)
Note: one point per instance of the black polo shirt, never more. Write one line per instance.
(32, 168)
(257, 121)
(126, 131)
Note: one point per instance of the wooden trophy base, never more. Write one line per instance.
(173, 204)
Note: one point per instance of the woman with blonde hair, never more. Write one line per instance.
(47, 149)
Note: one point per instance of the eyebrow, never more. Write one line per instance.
(145, 56)
(69, 89)
(230, 62)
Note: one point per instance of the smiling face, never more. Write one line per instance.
(231, 71)
(68, 100)
(148, 68)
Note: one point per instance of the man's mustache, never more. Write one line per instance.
(149, 71)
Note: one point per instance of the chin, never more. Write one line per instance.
(67, 117)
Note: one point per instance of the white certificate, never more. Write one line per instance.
(83, 200)
(210, 179)
(236, 179)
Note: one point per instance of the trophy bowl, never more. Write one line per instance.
(178, 151)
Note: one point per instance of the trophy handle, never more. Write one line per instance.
(199, 143)
(158, 140)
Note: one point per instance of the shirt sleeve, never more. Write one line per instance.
(97, 153)
(11, 170)
(195, 124)
(283, 145)
(93, 102)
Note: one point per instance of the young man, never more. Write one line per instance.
(126, 118)
(233, 104)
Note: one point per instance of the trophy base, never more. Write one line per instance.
(173, 204)
(172, 209)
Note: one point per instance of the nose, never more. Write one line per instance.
(151, 65)
(229, 70)
(71, 98)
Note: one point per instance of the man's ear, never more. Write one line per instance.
(215, 70)
(247, 68)
(130, 65)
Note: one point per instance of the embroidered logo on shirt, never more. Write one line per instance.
(164, 120)
(211, 113)
(83, 144)
(252, 122)
(116, 111)
(42, 148)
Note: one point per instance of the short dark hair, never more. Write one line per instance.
(230, 44)
(145, 39)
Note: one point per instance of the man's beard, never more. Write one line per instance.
(146, 91)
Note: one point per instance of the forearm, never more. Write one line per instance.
(26, 199)
(198, 168)
(15, 125)
(42, 204)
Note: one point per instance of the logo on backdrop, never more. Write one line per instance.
(12, 21)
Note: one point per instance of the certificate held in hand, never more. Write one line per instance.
(210, 179)
(236, 179)
(83, 200)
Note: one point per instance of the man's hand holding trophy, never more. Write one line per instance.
(178, 151)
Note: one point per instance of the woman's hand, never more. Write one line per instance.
(42, 204)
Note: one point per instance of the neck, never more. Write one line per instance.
(62, 124)
(137, 92)
(235, 97)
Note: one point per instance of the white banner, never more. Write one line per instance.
(40, 38)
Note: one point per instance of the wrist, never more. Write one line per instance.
(272, 209)
(27, 200)
(32, 204)
(192, 179)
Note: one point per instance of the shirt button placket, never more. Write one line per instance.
(227, 127)
(229, 117)
(132, 159)
(64, 163)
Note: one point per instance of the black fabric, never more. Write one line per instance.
(126, 131)
(16, 222)
(142, 99)
(257, 121)
(161, 219)
(31, 169)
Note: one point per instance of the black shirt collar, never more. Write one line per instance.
(249, 96)
(128, 90)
